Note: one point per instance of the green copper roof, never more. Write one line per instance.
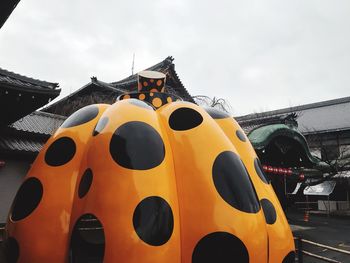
(262, 136)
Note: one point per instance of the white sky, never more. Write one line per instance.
(258, 55)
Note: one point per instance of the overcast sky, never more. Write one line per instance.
(258, 55)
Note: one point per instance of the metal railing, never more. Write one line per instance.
(301, 252)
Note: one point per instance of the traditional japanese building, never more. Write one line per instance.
(312, 139)
(22, 130)
(97, 91)
(325, 125)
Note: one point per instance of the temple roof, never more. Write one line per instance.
(320, 117)
(21, 95)
(98, 91)
(19, 82)
(6, 8)
(28, 135)
(39, 122)
(167, 67)
(19, 145)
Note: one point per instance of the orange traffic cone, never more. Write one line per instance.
(306, 216)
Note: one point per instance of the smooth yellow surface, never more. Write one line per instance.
(183, 179)
(281, 240)
(202, 210)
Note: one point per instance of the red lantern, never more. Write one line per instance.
(2, 163)
(301, 177)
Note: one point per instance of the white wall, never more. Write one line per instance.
(11, 177)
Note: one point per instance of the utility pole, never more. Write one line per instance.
(133, 62)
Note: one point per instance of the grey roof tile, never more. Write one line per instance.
(39, 122)
(18, 144)
(14, 79)
(325, 116)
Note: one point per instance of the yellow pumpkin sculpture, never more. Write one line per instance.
(148, 179)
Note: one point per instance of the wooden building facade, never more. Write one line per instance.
(22, 130)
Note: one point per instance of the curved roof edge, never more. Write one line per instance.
(263, 135)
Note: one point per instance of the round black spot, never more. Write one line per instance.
(27, 198)
(259, 170)
(88, 240)
(81, 116)
(141, 104)
(137, 145)
(269, 211)
(290, 258)
(233, 183)
(85, 183)
(217, 114)
(11, 250)
(101, 124)
(60, 151)
(220, 247)
(184, 119)
(241, 135)
(153, 220)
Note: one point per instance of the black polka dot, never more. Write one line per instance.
(290, 258)
(11, 250)
(220, 247)
(241, 135)
(233, 183)
(81, 116)
(101, 124)
(140, 103)
(137, 145)
(259, 170)
(153, 220)
(87, 241)
(27, 198)
(60, 151)
(85, 183)
(269, 211)
(217, 114)
(184, 119)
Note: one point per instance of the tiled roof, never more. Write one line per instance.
(20, 95)
(248, 125)
(23, 145)
(114, 89)
(166, 66)
(325, 116)
(132, 79)
(29, 134)
(39, 122)
(11, 79)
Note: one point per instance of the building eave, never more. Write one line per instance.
(6, 8)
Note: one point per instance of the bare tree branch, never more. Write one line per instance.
(218, 103)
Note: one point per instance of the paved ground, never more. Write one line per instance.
(331, 231)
